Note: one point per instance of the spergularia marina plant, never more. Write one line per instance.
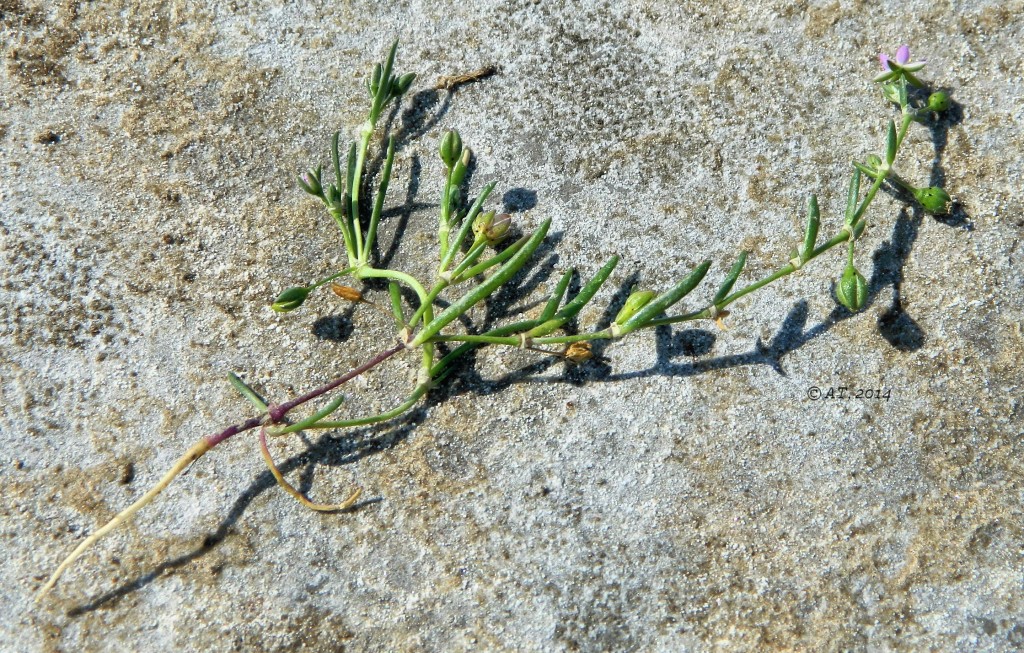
(475, 258)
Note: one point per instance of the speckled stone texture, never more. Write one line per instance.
(683, 494)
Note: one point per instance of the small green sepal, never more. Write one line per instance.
(891, 92)
(497, 229)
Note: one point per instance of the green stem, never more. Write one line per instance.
(378, 204)
(338, 214)
(467, 224)
(312, 419)
(441, 368)
(332, 277)
(410, 401)
(395, 275)
(500, 257)
(357, 182)
(444, 227)
(429, 301)
(467, 301)
(515, 341)
(426, 303)
(471, 257)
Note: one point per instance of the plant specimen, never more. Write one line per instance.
(475, 259)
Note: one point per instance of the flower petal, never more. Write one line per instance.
(903, 54)
(883, 59)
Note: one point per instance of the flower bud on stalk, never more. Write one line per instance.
(451, 148)
(481, 224)
(852, 289)
(310, 182)
(402, 84)
(932, 199)
(290, 299)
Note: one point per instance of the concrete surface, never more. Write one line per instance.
(684, 494)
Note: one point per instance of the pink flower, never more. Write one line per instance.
(901, 65)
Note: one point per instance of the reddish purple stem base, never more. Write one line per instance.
(277, 412)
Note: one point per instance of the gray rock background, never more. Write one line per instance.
(686, 495)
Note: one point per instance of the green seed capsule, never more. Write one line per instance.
(938, 102)
(852, 289)
(933, 200)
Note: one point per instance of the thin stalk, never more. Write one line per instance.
(431, 296)
(378, 204)
(328, 279)
(357, 182)
(467, 301)
(409, 402)
(277, 413)
(444, 227)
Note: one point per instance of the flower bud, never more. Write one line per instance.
(495, 232)
(402, 84)
(633, 304)
(852, 289)
(451, 148)
(290, 299)
(373, 84)
(873, 161)
(310, 182)
(346, 292)
(938, 101)
(933, 200)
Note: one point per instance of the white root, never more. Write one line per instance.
(193, 454)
